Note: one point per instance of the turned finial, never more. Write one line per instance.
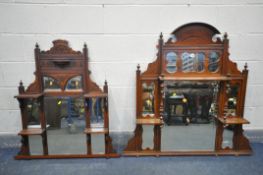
(21, 83)
(21, 88)
(245, 66)
(161, 35)
(138, 67)
(85, 45)
(225, 36)
(37, 46)
(105, 87)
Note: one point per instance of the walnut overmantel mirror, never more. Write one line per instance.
(190, 100)
(64, 113)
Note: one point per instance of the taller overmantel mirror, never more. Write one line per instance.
(190, 101)
(64, 113)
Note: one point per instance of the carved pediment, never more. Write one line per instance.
(195, 33)
(61, 47)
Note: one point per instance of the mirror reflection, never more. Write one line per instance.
(147, 137)
(171, 62)
(33, 114)
(50, 83)
(35, 145)
(74, 83)
(189, 102)
(231, 102)
(148, 99)
(193, 62)
(190, 108)
(228, 137)
(96, 112)
(66, 123)
(98, 143)
(213, 63)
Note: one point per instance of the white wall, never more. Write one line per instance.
(120, 34)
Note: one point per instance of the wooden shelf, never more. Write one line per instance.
(96, 130)
(65, 156)
(233, 120)
(149, 121)
(199, 78)
(95, 94)
(69, 93)
(31, 131)
(23, 96)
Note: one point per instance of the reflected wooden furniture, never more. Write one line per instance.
(194, 52)
(56, 68)
(172, 109)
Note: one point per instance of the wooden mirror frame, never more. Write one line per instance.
(199, 37)
(62, 63)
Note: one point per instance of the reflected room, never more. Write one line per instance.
(190, 108)
(65, 125)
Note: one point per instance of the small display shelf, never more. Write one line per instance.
(28, 96)
(149, 121)
(95, 94)
(96, 131)
(233, 120)
(31, 131)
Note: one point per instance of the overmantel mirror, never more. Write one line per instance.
(190, 101)
(64, 113)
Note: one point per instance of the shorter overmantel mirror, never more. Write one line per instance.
(190, 108)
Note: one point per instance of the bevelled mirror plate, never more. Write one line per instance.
(96, 112)
(66, 124)
(213, 63)
(171, 58)
(193, 62)
(148, 99)
(50, 83)
(189, 117)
